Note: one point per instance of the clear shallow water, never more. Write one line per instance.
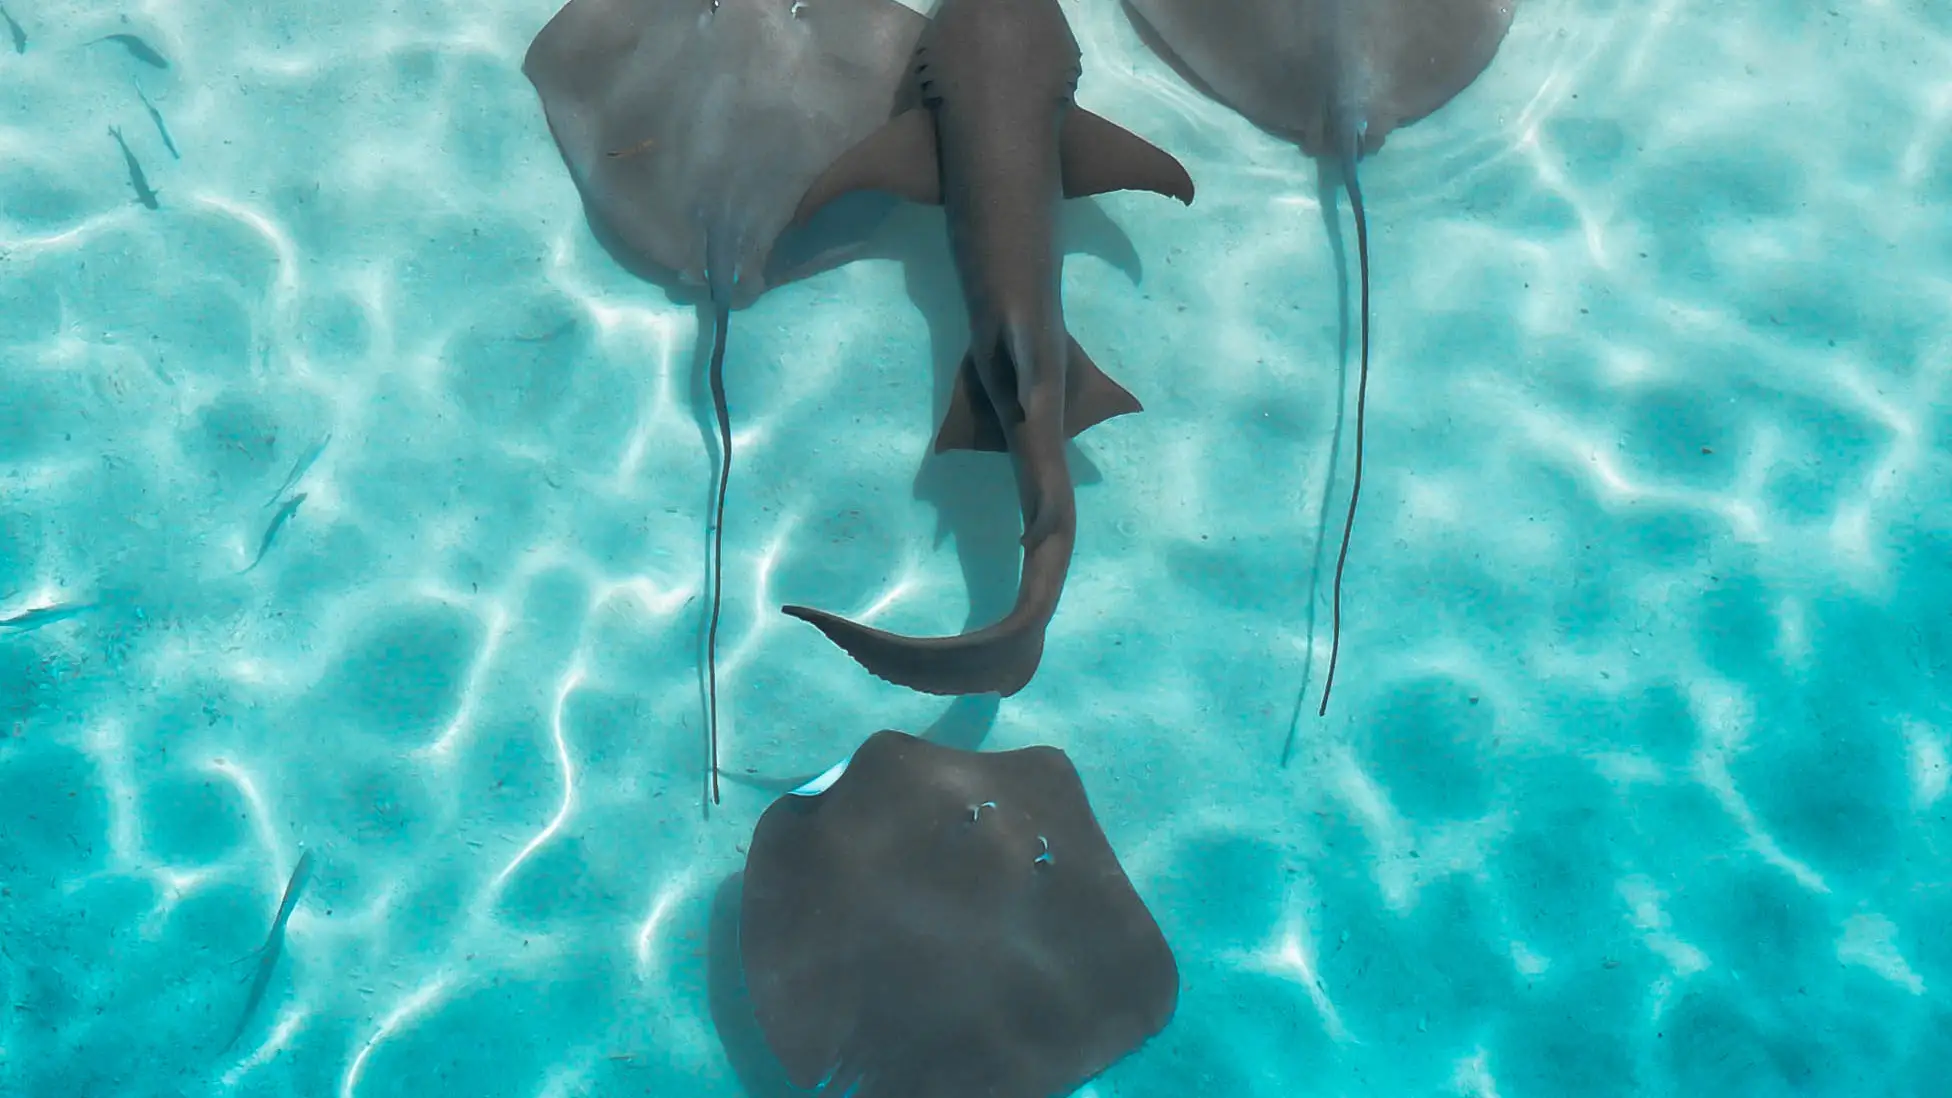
(1636, 777)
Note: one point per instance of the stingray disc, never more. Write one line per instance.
(679, 119)
(1282, 63)
(941, 923)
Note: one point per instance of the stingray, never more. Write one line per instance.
(693, 127)
(1336, 77)
(928, 922)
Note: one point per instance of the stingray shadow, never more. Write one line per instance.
(730, 1002)
(1328, 186)
(966, 723)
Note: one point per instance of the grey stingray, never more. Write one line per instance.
(692, 128)
(940, 923)
(1336, 77)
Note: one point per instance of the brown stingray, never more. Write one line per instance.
(1335, 77)
(941, 923)
(692, 128)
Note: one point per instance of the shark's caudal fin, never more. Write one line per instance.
(1350, 183)
(998, 659)
(1001, 658)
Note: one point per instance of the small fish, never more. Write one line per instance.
(137, 48)
(619, 154)
(277, 523)
(156, 116)
(268, 954)
(299, 468)
(45, 615)
(144, 193)
(13, 28)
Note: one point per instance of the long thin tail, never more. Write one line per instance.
(721, 319)
(997, 659)
(1354, 187)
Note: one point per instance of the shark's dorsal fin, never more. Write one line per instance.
(899, 158)
(1090, 397)
(1102, 156)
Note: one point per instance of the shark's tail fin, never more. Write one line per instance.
(997, 659)
(1001, 658)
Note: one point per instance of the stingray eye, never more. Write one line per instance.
(1045, 857)
(976, 810)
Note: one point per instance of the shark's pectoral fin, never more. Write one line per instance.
(1091, 397)
(970, 423)
(899, 158)
(1102, 156)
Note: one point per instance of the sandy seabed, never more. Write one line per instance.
(1634, 784)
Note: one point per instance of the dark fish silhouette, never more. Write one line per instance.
(940, 923)
(268, 954)
(14, 29)
(38, 617)
(1334, 76)
(999, 142)
(300, 467)
(144, 193)
(692, 129)
(277, 523)
(156, 116)
(138, 49)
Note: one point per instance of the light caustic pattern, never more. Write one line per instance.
(1635, 779)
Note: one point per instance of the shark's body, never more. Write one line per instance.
(1000, 143)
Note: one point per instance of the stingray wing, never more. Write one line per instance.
(601, 69)
(1427, 52)
(1252, 55)
(1275, 61)
(681, 121)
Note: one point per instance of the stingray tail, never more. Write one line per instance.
(1351, 152)
(997, 659)
(715, 374)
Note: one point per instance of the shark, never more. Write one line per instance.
(999, 141)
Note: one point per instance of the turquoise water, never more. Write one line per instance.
(1636, 778)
